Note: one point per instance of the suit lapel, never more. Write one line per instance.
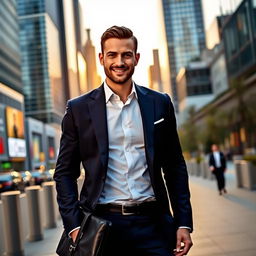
(146, 103)
(97, 110)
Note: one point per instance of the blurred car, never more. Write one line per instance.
(27, 178)
(42, 175)
(12, 180)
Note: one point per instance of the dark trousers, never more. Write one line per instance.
(152, 235)
(219, 174)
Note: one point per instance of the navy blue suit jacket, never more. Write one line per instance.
(85, 139)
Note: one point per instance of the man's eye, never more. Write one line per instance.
(128, 55)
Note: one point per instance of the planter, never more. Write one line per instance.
(237, 157)
(246, 174)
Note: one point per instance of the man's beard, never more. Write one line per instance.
(116, 80)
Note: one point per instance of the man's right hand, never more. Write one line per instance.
(74, 234)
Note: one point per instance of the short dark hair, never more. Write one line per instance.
(118, 32)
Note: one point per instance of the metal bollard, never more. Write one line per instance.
(50, 216)
(12, 224)
(34, 213)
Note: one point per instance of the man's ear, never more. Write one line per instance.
(101, 58)
(137, 57)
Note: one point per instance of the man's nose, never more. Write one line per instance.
(119, 60)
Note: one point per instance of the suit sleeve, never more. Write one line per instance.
(175, 172)
(211, 163)
(67, 172)
(224, 161)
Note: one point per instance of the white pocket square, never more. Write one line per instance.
(159, 121)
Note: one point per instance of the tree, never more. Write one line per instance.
(244, 114)
(188, 134)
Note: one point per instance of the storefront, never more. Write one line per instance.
(41, 144)
(12, 131)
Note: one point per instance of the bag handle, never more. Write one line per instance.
(86, 218)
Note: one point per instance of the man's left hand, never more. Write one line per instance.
(183, 237)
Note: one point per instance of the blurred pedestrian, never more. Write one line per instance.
(125, 134)
(217, 163)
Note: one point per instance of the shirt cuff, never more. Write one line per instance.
(185, 227)
(73, 230)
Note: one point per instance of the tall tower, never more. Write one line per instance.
(185, 35)
(93, 79)
(155, 79)
(12, 130)
(44, 91)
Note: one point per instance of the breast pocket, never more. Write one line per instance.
(159, 133)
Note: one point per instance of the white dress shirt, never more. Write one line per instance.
(216, 155)
(127, 174)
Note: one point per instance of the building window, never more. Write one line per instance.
(242, 25)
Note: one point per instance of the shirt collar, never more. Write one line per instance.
(109, 92)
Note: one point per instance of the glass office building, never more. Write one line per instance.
(12, 135)
(185, 35)
(10, 73)
(240, 41)
(44, 90)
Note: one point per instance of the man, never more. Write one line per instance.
(217, 163)
(124, 134)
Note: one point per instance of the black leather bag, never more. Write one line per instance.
(90, 239)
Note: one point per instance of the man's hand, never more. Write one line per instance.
(74, 234)
(183, 237)
(212, 168)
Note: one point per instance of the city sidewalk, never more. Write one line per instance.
(223, 225)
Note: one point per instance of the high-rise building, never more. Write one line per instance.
(239, 35)
(10, 73)
(51, 39)
(155, 79)
(53, 68)
(12, 134)
(44, 91)
(93, 79)
(69, 14)
(233, 77)
(185, 35)
(194, 88)
(82, 65)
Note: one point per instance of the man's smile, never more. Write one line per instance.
(119, 70)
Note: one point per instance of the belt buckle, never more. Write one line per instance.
(126, 213)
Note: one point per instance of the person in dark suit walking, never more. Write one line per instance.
(217, 163)
(125, 136)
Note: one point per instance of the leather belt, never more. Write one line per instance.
(144, 208)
